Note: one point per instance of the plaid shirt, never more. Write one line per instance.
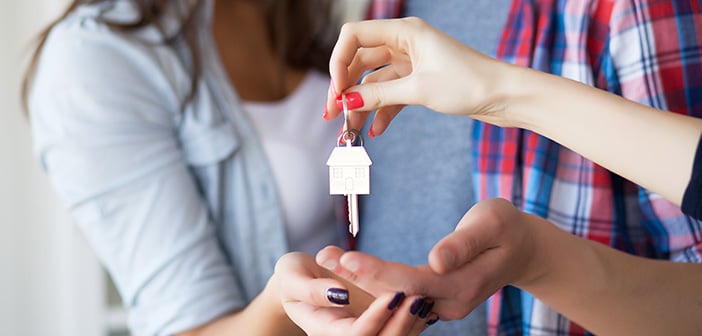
(646, 51)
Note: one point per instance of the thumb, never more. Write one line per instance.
(477, 232)
(369, 96)
(376, 95)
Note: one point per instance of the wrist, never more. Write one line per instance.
(507, 88)
(542, 253)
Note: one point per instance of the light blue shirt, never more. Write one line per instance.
(179, 204)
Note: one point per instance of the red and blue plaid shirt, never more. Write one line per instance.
(646, 51)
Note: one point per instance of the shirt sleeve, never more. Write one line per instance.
(653, 59)
(692, 199)
(102, 114)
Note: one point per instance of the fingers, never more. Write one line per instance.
(368, 34)
(299, 273)
(365, 46)
(384, 115)
(365, 59)
(385, 314)
(376, 276)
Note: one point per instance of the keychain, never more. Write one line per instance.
(349, 169)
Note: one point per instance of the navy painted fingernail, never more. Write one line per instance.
(338, 296)
(396, 300)
(426, 309)
(432, 321)
(417, 306)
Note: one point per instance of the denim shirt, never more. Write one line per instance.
(178, 203)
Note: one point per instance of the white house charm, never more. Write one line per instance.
(349, 168)
(349, 174)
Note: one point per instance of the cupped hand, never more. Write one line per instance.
(410, 63)
(493, 245)
(321, 303)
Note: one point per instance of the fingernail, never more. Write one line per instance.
(338, 295)
(353, 101)
(326, 113)
(426, 310)
(329, 264)
(417, 306)
(432, 320)
(371, 133)
(396, 300)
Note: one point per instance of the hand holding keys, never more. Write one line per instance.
(349, 169)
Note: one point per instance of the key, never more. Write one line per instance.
(352, 200)
(349, 175)
(349, 170)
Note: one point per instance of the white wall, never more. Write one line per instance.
(50, 283)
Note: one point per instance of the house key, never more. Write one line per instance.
(349, 169)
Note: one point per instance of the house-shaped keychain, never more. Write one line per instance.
(349, 168)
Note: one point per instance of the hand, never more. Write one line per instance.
(411, 63)
(493, 245)
(304, 293)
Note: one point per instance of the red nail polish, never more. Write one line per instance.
(339, 104)
(326, 113)
(353, 101)
(371, 134)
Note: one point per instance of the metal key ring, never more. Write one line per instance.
(350, 137)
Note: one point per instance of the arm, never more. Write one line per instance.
(633, 140)
(103, 122)
(496, 245)
(262, 316)
(427, 67)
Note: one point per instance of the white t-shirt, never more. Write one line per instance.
(298, 142)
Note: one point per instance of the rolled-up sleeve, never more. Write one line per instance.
(103, 116)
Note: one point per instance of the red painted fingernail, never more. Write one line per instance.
(353, 101)
(371, 134)
(325, 115)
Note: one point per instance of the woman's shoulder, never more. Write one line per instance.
(101, 19)
(83, 52)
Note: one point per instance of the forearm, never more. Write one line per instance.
(652, 148)
(264, 316)
(613, 293)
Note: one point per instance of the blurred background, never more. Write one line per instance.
(50, 281)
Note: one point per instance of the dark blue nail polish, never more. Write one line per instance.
(417, 306)
(426, 309)
(396, 300)
(338, 296)
(432, 321)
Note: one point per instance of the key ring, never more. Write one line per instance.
(348, 136)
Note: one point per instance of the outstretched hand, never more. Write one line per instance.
(492, 246)
(314, 299)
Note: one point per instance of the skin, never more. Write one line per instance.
(427, 67)
(294, 300)
(604, 290)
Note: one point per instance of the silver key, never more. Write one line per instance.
(349, 170)
(352, 200)
(349, 174)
